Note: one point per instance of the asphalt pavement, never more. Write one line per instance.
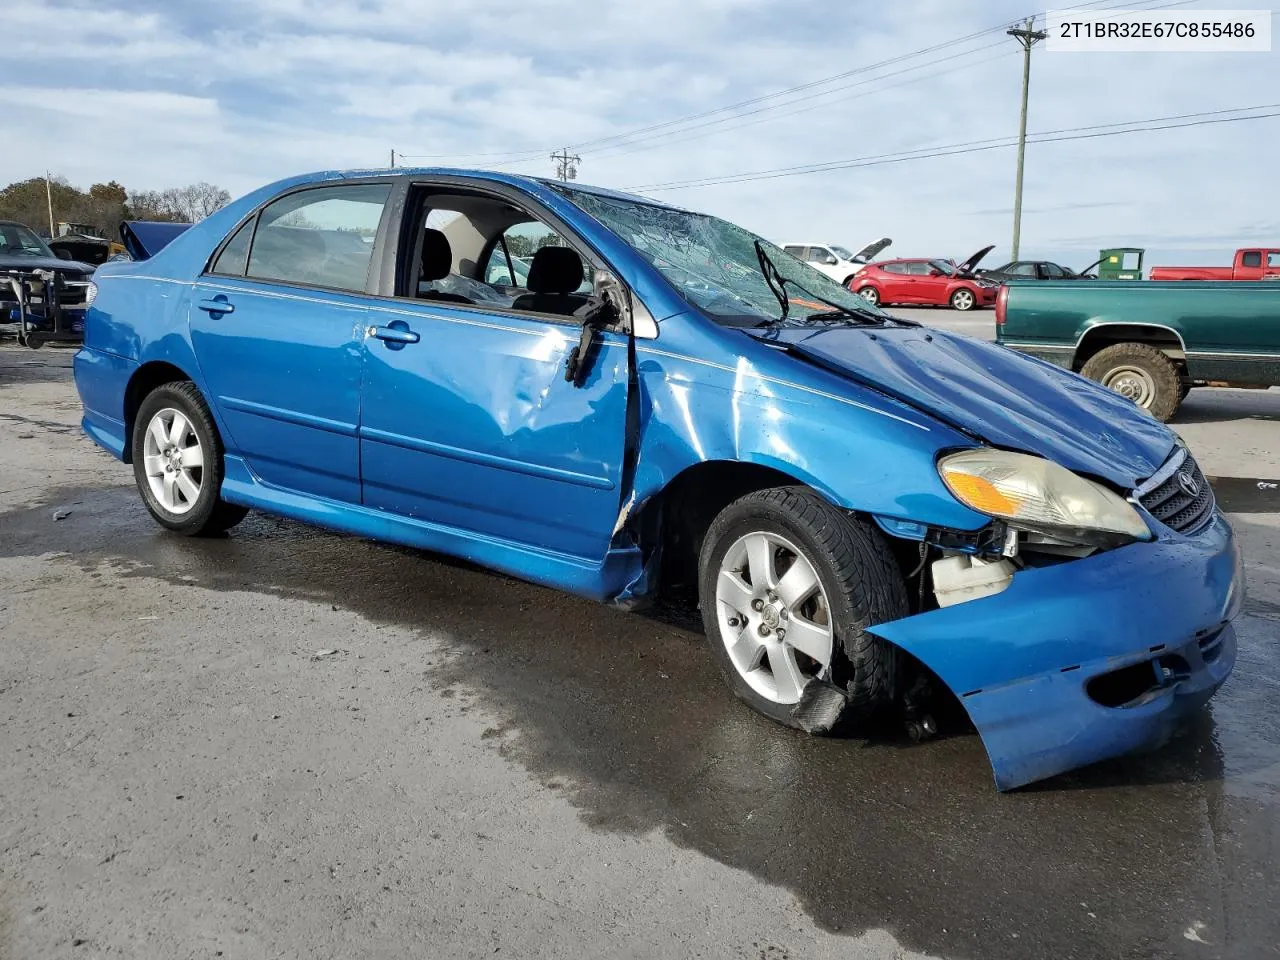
(291, 743)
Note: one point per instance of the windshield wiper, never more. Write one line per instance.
(770, 273)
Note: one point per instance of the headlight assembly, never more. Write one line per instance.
(1032, 493)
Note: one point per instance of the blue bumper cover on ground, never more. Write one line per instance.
(1022, 661)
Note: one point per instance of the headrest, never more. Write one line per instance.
(555, 270)
(437, 257)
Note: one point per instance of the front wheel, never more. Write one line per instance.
(177, 462)
(963, 300)
(789, 586)
(1140, 372)
(871, 295)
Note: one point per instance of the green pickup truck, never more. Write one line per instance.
(1149, 340)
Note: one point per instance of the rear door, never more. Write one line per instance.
(467, 419)
(277, 325)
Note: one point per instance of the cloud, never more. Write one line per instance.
(155, 93)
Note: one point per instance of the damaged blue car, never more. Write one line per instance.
(658, 400)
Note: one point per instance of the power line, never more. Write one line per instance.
(626, 141)
(584, 145)
(978, 146)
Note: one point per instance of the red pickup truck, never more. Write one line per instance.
(1251, 263)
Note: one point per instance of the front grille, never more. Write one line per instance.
(1183, 500)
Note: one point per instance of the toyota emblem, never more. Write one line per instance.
(1188, 483)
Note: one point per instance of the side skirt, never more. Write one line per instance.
(594, 580)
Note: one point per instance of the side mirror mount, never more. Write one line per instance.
(935, 272)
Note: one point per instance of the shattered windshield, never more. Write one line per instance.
(714, 264)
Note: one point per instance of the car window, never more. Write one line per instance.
(795, 251)
(1021, 269)
(1273, 258)
(515, 251)
(820, 255)
(894, 268)
(1252, 258)
(841, 252)
(18, 241)
(919, 268)
(1053, 271)
(235, 255)
(320, 237)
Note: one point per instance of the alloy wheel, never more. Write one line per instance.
(173, 460)
(774, 616)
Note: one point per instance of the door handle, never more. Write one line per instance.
(218, 304)
(396, 332)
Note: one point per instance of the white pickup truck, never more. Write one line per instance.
(833, 260)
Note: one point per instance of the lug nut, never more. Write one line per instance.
(734, 621)
(782, 634)
(757, 604)
(763, 630)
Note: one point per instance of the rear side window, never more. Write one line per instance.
(322, 237)
(1273, 258)
(1021, 270)
(231, 261)
(894, 268)
(797, 252)
(1252, 258)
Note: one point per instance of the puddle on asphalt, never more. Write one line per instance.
(628, 714)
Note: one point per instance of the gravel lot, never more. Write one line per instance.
(289, 743)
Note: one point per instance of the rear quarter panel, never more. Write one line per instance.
(1230, 329)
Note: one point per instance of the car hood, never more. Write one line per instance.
(968, 266)
(866, 254)
(8, 263)
(994, 394)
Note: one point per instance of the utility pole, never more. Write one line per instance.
(566, 164)
(48, 196)
(1027, 37)
(393, 156)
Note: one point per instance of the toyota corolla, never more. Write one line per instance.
(866, 509)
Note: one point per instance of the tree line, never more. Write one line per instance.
(104, 205)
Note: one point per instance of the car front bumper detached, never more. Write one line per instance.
(1088, 659)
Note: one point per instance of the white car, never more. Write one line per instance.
(833, 260)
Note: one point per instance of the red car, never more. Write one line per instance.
(938, 282)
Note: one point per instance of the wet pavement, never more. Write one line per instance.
(622, 717)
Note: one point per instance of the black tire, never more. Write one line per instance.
(1166, 382)
(1184, 387)
(855, 568)
(871, 295)
(964, 299)
(210, 514)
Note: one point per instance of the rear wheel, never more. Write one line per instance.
(963, 299)
(788, 586)
(871, 295)
(178, 464)
(1140, 372)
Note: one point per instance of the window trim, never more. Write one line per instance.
(255, 214)
(390, 254)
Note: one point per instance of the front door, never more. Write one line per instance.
(278, 325)
(467, 419)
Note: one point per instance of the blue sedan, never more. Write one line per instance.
(871, 514)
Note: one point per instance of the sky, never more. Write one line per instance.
(159, 93)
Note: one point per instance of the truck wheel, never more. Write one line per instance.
(1140, 372)
(177, 462)
(871, 295)
(788, 586)
(963, 299)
